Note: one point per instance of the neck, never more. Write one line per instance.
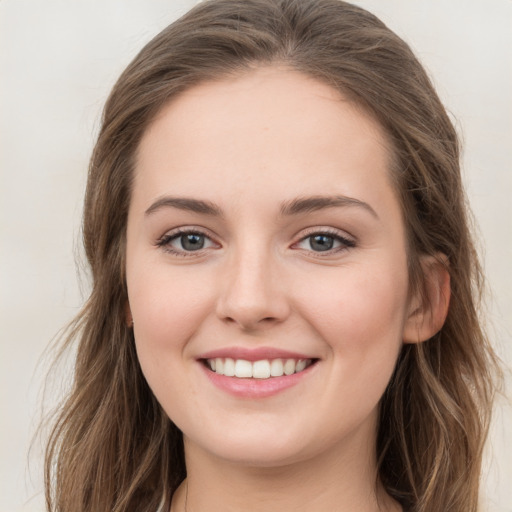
(330, 482)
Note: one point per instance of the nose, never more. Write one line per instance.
(253, 295)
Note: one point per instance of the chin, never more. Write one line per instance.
(253, 448)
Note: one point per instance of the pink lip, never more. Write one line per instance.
(254, 354)
(255, 388)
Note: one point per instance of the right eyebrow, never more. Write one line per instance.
(185, 203)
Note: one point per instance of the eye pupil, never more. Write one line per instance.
(192, 242)
(321, 242)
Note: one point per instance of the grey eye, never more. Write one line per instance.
(321, 242)
(324, 242)
(189, 242)
(186, 242)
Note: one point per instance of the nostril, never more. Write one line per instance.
(250, 308)
(251, 323)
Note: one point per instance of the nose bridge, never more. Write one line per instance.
(251, 293)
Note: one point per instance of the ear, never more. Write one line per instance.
(429, 307)
(128, 315)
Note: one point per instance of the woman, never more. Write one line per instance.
(285, 291)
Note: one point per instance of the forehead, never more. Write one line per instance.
(272, 126)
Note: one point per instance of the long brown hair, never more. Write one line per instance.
(113, 448)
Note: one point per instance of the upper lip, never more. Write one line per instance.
(253, 354)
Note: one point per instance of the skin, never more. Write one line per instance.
(250, 145)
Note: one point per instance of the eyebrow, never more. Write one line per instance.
(314, 203)
(296, 206)
(185, 203)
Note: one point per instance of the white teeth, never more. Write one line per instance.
(229, 367)
(243, 368)
(289, 367)
(301, 365)
(262, 369)
(276, 368)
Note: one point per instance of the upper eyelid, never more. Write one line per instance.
(187, 229)
(324, 230)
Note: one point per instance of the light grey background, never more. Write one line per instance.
(58, 60)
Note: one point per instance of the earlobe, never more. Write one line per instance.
(429, 307)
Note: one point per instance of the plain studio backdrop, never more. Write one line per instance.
(58, 61)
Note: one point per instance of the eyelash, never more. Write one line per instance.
(165, 241)
(345, 242)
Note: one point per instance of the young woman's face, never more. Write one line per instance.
(264, 237)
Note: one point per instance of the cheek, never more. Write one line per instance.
(166, 312)
(362, 322)
(167, 307)
(359, 310)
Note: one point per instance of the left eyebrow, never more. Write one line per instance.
(311, 204)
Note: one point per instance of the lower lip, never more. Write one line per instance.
(256, 388)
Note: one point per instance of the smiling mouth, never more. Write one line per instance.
(262, 369)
